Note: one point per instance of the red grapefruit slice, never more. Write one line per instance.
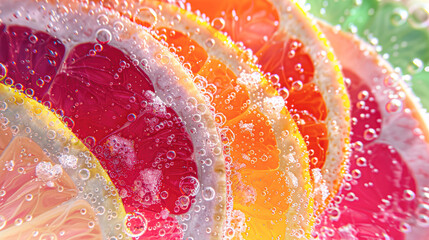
(130, 101)
(259, 136)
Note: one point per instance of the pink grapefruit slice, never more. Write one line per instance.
(51, 185)
(385, 192)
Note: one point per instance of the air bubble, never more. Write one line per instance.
(422, 220)
(334, 214)
(208, 193)
(218, 23)
(3, 71)
(118, 26)
(356, 173)
(33, 39)
(419, 15)
(29, 197)
(409, 195)
(3, 222)
(189, 186)
(405, 227)
(399, 16)
(51, 134)
(284, 92)
(369, 134)
(164, 194)
(9, 165)
(18, 221)
(415, 66)
(171, 155)
(360, 105)
(131, 117)
(103, 36)
(361, 162)
(3, 106)
(29, 92)
(146, 16)
(183, 202)
(84, 174)
(394, 105)
(98, 47)
(100, 210)
(91, 224)
(297, 85)
(103, 19)
(210, 43)
(135, 224)
(363, 95)
(90, 141)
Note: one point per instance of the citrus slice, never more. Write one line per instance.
(385, 194)
(305, 72)
(130, 101)
(398, 29)
(51, 186)
(267, 162)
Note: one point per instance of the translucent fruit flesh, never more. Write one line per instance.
(382, 196)
(295, 72)
(44, 177)
(116, 127)
(248, 136)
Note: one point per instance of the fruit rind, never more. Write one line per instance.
(295, 23)
(24, 113)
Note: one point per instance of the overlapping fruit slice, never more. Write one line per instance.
(398, 29)
(290, 47)
(268, 171)
(131, 102)
(51, 186)
(385, 195)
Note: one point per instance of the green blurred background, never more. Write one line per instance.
(399, 29)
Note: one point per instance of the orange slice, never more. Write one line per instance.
(51, 186)
(258, 133)
(305, 72)
(131, 102)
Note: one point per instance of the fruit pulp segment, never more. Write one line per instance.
(379, 196)
(229, 98)
(25, 195)
(190, 51)
(32, 189)
(110, 104)
(250, 22)
(278, 55)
